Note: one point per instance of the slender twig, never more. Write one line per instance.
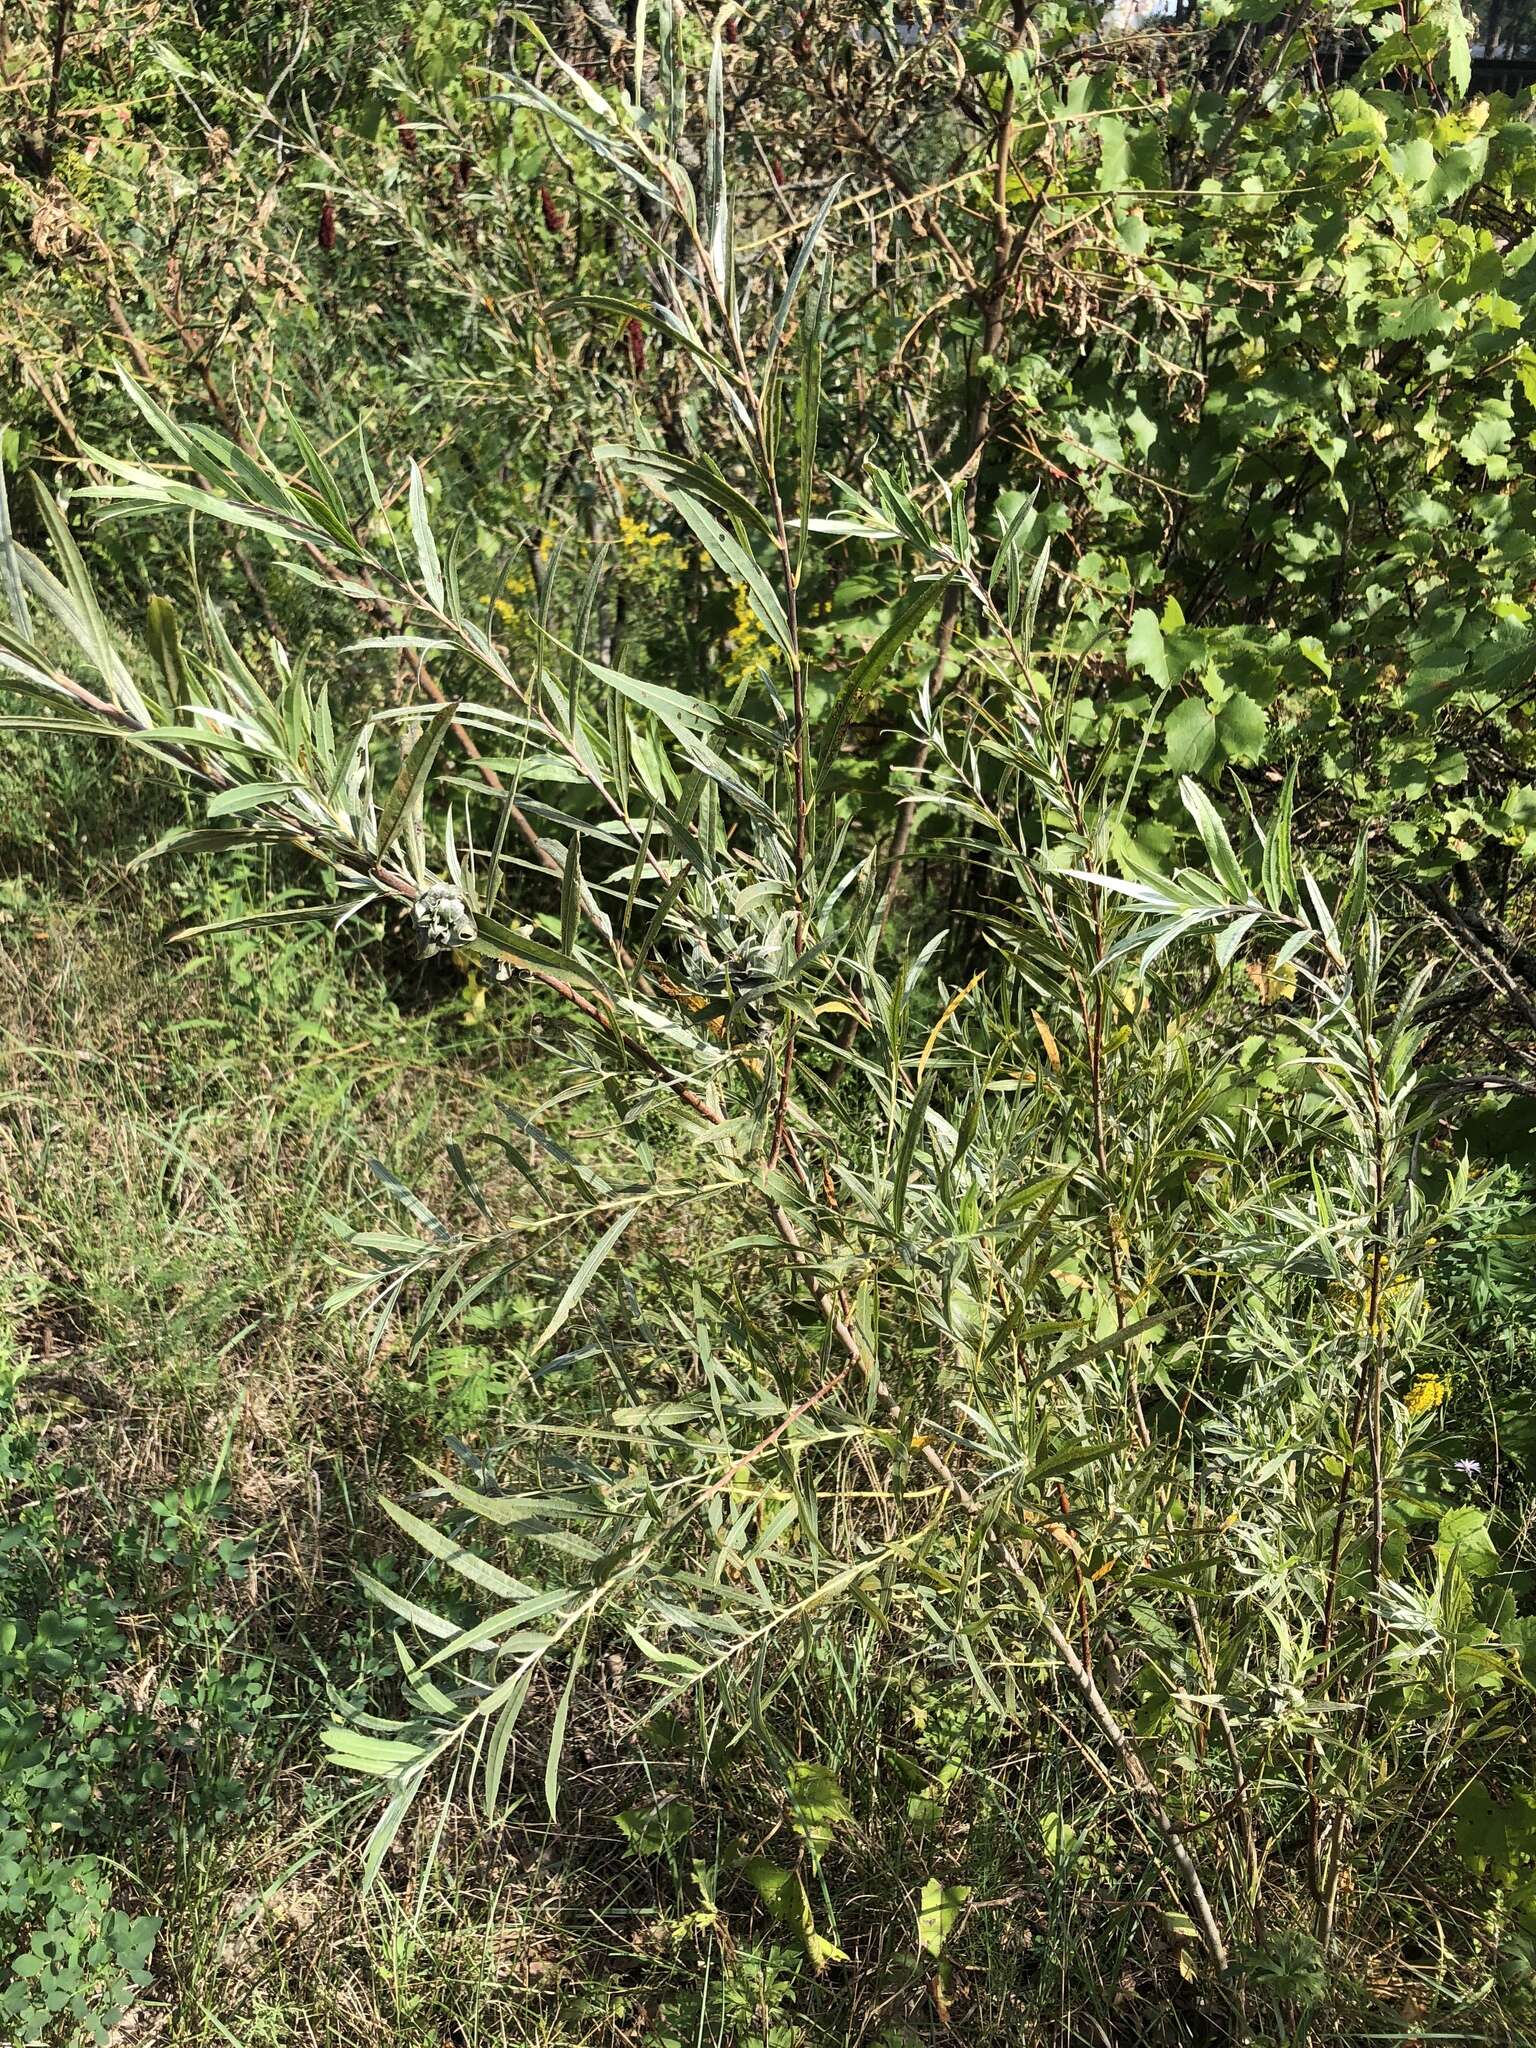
(63, 12)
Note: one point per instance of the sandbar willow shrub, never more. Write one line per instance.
(1057, 1339)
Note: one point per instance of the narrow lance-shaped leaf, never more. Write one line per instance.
(165, 647)
(412, 779)
(582, 1278)
(503, 1726)
(798, 268)
(83, 618)
(421, 534)
(324, 482)
(717, 208)
(666, 473)
(256, 920)
(909, 1140)
(570, 895)
(385, 1829)
(1213, 835)
(855, 693)
(736, 560)
(15, 590)
(478, 1571)
(810, 406)
(1279, 876)
(557, 1731)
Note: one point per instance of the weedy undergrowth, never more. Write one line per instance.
(1029, 1468)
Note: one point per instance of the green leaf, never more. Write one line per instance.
(1213, 835)
(653, 1830)
(570, 894)
(1146, 649)
(1464, 1541)
(736, 561)
(1458, 51)
(80, 614)
(503, 1714)
(1489, 436)
(798, 267)
(1189, 737)
(557, 1733)
(164, 643)
(384, 1832)
(912, 1131)
(375, 1756)
(214, 839)
(412, 779)
(582, 1278)
(479, 1571)
(904, 621)
(717, 199)
(1058, 1838)
(1242, 728)
(1114, 155)
(15, 592)
(421, 534)
(667, 473)
(255, 920)
(938, 1913)
(782, 1892)
(331, 505)
(420, 1617)
(248, 796)
(817, 1803)
(808, 404)
(682, 716)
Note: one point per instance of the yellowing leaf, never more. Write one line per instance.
(782, 1892)
(1273, 984)
(938, 1911)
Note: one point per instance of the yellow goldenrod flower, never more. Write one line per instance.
(748, 647)
(1429, 1391)
(641, 539)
